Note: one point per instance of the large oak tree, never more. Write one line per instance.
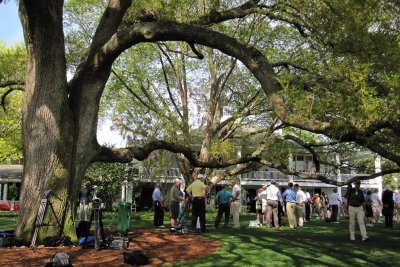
(60, 117)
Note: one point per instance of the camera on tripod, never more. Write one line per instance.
(96, 204)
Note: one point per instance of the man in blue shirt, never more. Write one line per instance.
(158, 205)
(223, 201)
(290, 196)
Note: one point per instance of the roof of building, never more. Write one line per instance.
(11, 173)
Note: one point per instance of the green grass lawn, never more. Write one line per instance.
(316, 244)
(7, 220)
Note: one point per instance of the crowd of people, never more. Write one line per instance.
(273, 206)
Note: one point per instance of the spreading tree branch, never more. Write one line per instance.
(9, 91)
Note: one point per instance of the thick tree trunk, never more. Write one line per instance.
(48, 122)
(60, 119)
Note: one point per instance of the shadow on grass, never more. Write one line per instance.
(316, 244)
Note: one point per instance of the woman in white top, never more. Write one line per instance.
(259, 205)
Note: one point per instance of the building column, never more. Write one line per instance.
(124, 189)
(339, 174)
(5, 190)
(292, 167)
(379, 179)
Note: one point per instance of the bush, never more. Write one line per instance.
(5, 206)
(17, 206)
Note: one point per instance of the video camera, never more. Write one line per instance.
(96, 203)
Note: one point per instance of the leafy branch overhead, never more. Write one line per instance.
(326, 68)
(306, 81)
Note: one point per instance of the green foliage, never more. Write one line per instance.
(13, 67)
(223, 149)
(13, 192)
(109, 177)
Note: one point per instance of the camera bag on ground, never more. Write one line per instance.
(118, 242)
(179, 230)
(60, 259)
(56, 241)
(87, 241)
(7, 238)
(135, 258)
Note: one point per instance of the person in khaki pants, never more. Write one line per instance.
(299, 208)
(356, 208)
(290, 196)
(235, 203)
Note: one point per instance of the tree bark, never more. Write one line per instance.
(47, 123)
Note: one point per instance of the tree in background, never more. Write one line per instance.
(12, 75)
(109, 177)
(335, 81)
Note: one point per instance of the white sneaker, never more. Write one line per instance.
(352, 238)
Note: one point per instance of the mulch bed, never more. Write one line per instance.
(160, 246)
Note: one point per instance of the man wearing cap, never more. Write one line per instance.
(272, 204)
(356, 208)
(237, 196)
(96, 193)
(174, 198)
(198, 191)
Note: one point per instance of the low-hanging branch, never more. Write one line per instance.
(9, 91)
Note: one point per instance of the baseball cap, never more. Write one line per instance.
(200, 176)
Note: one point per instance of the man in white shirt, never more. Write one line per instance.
(334, 202)
(272, 204)
(376, 205)
(235, 203)
(300, 202)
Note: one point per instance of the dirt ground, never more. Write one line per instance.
(159, 245)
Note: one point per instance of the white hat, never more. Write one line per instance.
(200, 176)
(95, 186)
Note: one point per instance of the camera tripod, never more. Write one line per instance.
(44, 203)
(97, 217)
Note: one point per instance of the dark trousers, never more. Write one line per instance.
(222, 208)
(308, 211)
(158, 214)
(335, 210)
(388, 212)
(199, 211)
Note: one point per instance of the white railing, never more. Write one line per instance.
(255, 177)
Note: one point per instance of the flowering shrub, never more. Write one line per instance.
(4, 206)
(16, 206)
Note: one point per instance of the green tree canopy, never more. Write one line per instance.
(13, 68)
